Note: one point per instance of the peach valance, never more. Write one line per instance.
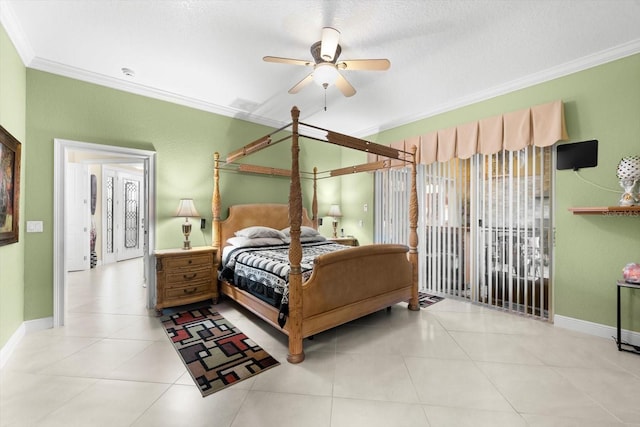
(541, 125)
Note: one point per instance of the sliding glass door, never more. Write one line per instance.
(485, 231)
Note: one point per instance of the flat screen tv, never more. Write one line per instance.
(577, 155)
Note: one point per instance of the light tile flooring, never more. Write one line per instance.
(452, 364)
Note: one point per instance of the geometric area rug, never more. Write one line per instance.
(216, 353)
(426, 299)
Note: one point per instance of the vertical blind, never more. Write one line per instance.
(484, 227)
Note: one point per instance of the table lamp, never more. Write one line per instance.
(187, 209)
(335, 213)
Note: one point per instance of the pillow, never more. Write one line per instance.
(304, 231)
(244, 242)
(307, 239)
(259, 232)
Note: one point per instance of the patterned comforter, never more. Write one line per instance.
(264, 271)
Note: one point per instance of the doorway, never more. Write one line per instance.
(63, 150)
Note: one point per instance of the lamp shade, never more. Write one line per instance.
(629, 168)
(325, 74)
(334, 211)
(330, 38)
(187, 209)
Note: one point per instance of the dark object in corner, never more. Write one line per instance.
(577, 155)
(203, 223)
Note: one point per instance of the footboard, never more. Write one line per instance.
(351, 283)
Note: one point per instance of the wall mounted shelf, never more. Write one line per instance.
(607, 210)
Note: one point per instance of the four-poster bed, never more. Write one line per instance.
(343, 285)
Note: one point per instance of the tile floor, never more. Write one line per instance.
(452, 364)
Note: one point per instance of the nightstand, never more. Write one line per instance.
(348, 240)
(185, 276)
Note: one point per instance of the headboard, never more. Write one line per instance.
(273, 215)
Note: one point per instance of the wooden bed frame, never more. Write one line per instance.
(345, 285)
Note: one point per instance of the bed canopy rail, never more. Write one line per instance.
(315, 175)
(295, 315)
(331, 137)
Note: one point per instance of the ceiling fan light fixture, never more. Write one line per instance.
(330, 38)
(325, 74)
(326, 68)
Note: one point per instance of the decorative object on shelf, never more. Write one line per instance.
(629, 175)
(187, 209)
(631, 272)
(335, 213)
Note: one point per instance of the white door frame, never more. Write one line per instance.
(61, 149)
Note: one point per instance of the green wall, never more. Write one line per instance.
(12, 118)
(601, 103)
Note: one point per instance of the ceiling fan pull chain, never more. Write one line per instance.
(325, 96)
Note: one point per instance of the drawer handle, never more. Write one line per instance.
(190, 291)
(189, 277)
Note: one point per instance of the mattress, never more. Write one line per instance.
(264, 271)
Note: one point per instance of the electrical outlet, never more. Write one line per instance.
(203, 223)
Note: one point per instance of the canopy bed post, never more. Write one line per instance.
(314, 203)
(296, 353)
(215, 204)
(413, 235)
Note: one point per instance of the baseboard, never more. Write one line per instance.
(39, 324)
(596, 329)
(7, 350)
(26, 327)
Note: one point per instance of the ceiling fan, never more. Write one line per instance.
(325, 72)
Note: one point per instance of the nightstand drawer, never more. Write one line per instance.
(184, 277)
(188, 291)
(189, 261)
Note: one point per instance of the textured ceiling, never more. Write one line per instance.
(208, 54)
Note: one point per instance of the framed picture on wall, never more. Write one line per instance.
(9, 187)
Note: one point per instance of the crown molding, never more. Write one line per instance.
(137, 89)
(16, 34)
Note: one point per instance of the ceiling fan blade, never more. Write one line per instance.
(302, 83)
(291, 61)
(344, 86)
(364, 64)
(329, 43)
